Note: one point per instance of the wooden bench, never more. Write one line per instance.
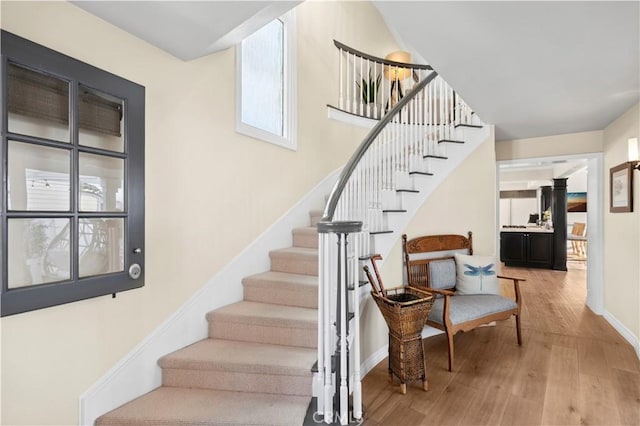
(428, 265)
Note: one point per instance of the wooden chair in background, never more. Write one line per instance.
(578, 239)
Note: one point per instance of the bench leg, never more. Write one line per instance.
(518, 333)
(403, 388)
(450, 344)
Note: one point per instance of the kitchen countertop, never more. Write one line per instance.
(528, 229)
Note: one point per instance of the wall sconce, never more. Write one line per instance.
(633, 153)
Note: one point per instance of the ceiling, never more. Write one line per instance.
(188, 29)
(531, 68)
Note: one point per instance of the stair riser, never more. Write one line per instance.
(305, 240)
(315, 218)
(239, 382)
(307, 265)
(303, 337)
(304, 298)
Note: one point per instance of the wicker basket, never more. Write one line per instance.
(405, 309)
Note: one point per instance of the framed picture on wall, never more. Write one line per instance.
(621, 188)
(576, 202)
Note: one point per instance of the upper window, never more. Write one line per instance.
(73, 172)
(266, 83)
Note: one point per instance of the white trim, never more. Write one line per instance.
(337, 114)
(290, 119)
(137, 372)
(374, 359)
(624, 331)
(595, 234)
(429, 331)
(595, 221)
(251, 25)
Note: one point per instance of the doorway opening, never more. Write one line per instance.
(521, 187)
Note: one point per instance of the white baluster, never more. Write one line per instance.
(327, 298)
(356, 96)
(382, 92)
(430, 112)
(451, 115)
(357, 387)
(456, 109)
(441, 116)
(377, 89)
(346, 83)
(360, 92)
(370, 87)
(320, 377)
(344, 388)
(341, 95)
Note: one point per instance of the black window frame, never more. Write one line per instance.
(22, 52)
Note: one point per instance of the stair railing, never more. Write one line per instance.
(412, 131)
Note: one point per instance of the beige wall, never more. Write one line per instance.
(622, 230)
(209, 193)
(465, 201)
(550, 146)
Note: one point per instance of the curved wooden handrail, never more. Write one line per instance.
(338, 188)
(379, 60)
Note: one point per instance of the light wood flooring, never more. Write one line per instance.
(572, 369)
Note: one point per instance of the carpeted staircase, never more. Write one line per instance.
(255, 367)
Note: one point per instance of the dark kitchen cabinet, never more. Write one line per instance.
(529, 249)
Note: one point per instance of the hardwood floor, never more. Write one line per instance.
(572, 369)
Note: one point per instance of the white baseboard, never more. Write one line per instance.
(373, 360)
(624, 331)
(429, 331)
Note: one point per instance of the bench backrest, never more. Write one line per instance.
(429, 260)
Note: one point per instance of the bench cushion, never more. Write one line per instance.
(469, 307)
(442, 274)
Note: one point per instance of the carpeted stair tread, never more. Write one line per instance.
(282, 288)
(305, 237)
(246, 312)
(247, 357)
(303, 252)
(295, 260)
(265, 323)
(182, 407)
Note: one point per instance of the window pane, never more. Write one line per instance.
(263, 78)
(101, 246)
(38, 104)
(38, 251)
(101, 120)
(101, 183)
(38, 177)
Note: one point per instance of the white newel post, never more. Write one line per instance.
(338, 262)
